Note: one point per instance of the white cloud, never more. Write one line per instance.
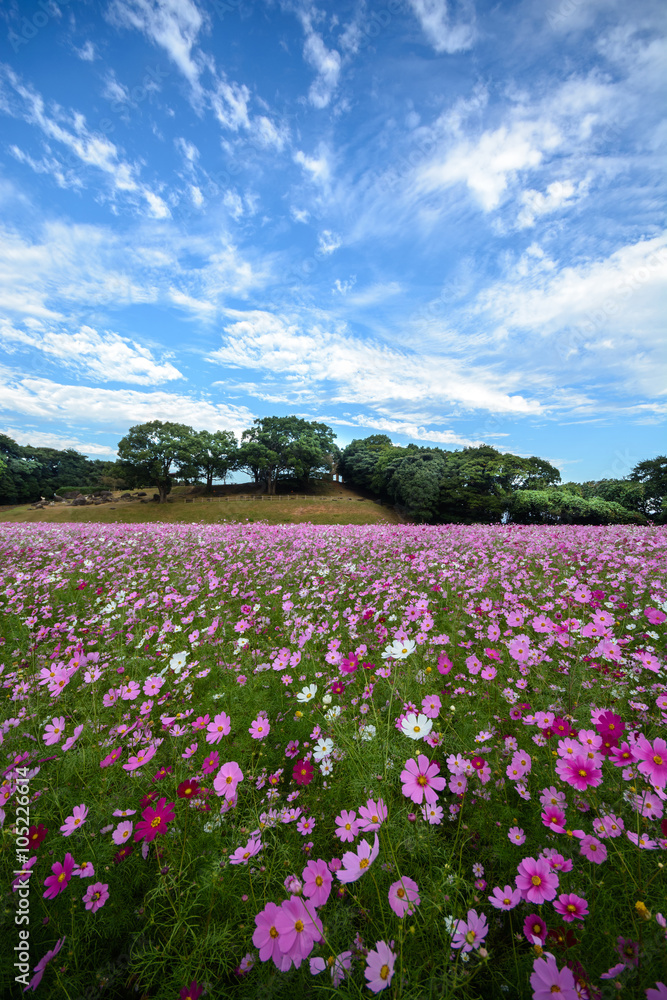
(326, 62)
(47, 439)
(106, 357)
(375, 294)
(436, 23)
(558, 194)
(346, 369)
(173, 25)
(488, 165)
(91, 149)
(327, 242)
(72, 404)
(318, 167)
(230, 104)
(86, 52)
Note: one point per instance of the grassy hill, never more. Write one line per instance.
(324, 503)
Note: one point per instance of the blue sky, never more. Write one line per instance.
(439, 221)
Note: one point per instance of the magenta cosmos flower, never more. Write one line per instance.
(317, 882)
(404, 896)
(469, 934)
(505, 899)
(62, 873)
(571, 907)
(73, 822)
(652, 760)
(379, 967)
(154, 820)
(534, 929)
(355, 865)
(536, 881)
(96, 896)
(227, 779)
(420, 780)
(547, 981)
(579, 772)
(298, 930)
(141, 758)
(221, 726)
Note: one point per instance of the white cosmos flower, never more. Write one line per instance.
(332, 713)
(367, 733)
(399, 649)
(417, 727)
(323, 748)
(326, 767)
(177, 662)
(307, 693)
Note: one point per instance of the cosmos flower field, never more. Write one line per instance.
(277, 761)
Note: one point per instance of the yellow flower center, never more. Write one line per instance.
(364, 863)
(298, 926)
(384, 972)
(536, 880)
(155, 822)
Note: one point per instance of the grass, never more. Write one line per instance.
(329, 504)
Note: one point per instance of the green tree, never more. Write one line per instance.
(653, 474)
(209, 455)
(151, 451)
(277, 447)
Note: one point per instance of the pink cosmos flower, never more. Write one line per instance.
(571, 907)
(298, 930)
(73, 822)
(652, 760)
(356, 865)
(96, 896)
(42, 964)
(431, 706)
(242, 854)
(373, 814)
(69, 743)
(54, 731)
(420, 781)
(556, 860)
(154, 820)
(267, 937)
(260, 728)
(84, 870)
(505, 899)
(579, 772)
(628, 950)
(593, 849)
(404, 896)
(659, 993)
(122, 832)
(380, 967)
(62, 873)
(221, 726)
(141, 758)
(536, 880)
(305, 825)
(317, 882)
(347, 826)
(516, 835)
(469, 934)
(227, 779)
(547, 981)
(340, 966)
(552, 797)
(433, 814)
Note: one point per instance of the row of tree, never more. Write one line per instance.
(473, 485)
(481, 485)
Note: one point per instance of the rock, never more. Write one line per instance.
(142, 494)
(80, 502)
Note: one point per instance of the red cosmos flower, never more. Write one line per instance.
(36, 835)
(562, 937)
(561, 727)
(154, 820)
(610, 727)
(148, 799)
(162, 774)
(337, 687)
(303, 772)
(478, 763)
(123, 853)
(187, 789)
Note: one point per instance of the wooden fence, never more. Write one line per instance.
(290, 496)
